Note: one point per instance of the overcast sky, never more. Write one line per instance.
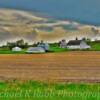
(82, 10)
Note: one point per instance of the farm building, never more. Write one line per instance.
(77, 44)
(16, 49)
(63, 44)
(45, 46)
(35, 50)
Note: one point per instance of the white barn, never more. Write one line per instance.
(35, 50)
(77, 44)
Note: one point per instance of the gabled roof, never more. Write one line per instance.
(74, 42)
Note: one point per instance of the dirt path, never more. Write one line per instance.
(69, 66)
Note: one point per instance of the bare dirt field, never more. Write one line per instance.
(62, 67)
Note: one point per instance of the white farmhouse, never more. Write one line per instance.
(63, 44)
(77, 44)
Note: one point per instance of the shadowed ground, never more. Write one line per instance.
(62, 67)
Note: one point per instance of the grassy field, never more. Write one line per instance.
(11, 52)
(56, 48)
(95, 46)
(31, 90)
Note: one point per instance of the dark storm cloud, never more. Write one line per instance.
(82, 10)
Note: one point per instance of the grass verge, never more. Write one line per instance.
(32, 90)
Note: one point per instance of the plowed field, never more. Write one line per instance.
(62, 67)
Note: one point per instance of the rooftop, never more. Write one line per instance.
(74, 42)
